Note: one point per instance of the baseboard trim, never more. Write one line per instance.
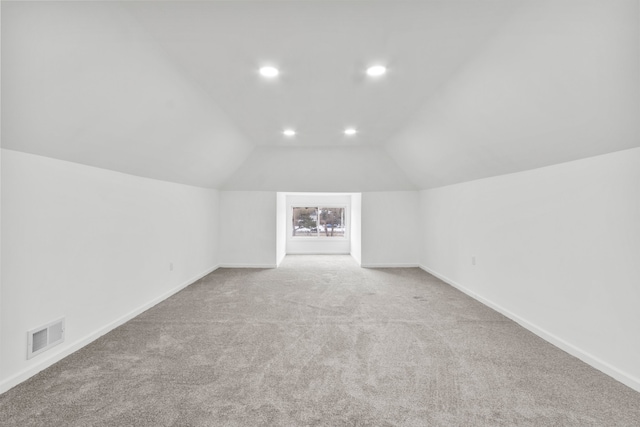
(248, 266)
(399, 265)
(588, 358)
(42, 364)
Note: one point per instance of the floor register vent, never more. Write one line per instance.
(43, 338)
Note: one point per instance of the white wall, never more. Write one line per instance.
(390, 226)
(556, 248)
(248, 229)
(281, 227)
(1, 356)
(303, 245)
(356, 227)
(93, 246)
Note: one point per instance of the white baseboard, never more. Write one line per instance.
(599, 364)
(248, 266)
(44, 363)
(399, 265)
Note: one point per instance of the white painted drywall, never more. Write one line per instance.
(356, 227)
(321, 245)
(556, 248)
(322, 87)
(248, 229)
(1, 356)
(281, 227)
(390, 226)
(557, 82)
(93, 246)
(319, 169)
(84, 82)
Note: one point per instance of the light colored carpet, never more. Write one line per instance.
(320, 341)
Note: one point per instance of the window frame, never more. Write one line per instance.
(319, 236)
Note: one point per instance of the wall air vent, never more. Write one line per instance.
(43, 338)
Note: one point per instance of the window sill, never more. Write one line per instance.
(322, 239)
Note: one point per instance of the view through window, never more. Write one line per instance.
(318, 222)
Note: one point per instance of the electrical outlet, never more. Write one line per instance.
(170, 266)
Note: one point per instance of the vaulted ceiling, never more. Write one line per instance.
(171, 90)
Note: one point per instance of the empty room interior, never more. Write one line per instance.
(385, 213)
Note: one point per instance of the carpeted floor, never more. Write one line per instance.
(320, 341)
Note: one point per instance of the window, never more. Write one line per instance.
(318, 222)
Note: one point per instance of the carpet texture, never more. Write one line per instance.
(320, 341)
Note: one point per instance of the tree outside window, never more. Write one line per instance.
(318, 222)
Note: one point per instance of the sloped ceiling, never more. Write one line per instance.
(334, 169)
(81, 82)
(559, 82)
(170, 90)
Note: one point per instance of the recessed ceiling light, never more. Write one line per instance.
(289, 132)
(376, 70)
(269, 71)
(350, 131)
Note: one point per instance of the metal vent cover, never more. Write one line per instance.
(43, 338)
(39, 340)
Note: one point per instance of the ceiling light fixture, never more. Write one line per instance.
(350, 131)
(269, 72)
(289, 132)
(376, 70)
